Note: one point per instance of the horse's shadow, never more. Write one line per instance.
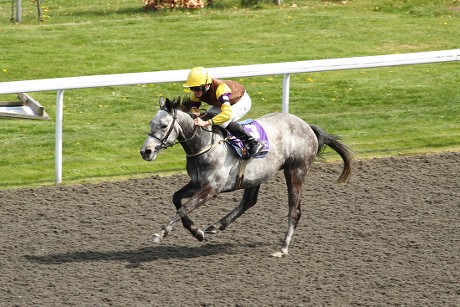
(145, 254)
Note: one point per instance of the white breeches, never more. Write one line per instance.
(239, 109)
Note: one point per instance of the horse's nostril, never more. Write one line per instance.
(146, 153)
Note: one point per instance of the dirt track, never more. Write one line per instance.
(389, 237)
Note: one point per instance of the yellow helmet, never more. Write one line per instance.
(198, 76)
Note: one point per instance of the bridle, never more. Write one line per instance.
(163, 144)
(165, 138)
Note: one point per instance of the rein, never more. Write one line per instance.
(207, 148)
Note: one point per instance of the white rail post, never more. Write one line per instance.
(18, 11)
(58, 149)
(285, 103)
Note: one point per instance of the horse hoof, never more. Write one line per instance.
(199, 235)
(156, 238)
(279, 254)
(212, 230)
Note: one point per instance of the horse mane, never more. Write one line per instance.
(185, 104)
(180, 103)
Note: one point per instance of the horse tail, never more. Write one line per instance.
(324, 139)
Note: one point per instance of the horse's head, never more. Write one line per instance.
(162, 130)
(164, 127)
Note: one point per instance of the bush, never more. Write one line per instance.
(160, 4)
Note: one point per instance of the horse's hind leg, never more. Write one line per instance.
(294, 181)
(249, 199)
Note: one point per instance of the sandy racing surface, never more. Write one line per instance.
(390, 237)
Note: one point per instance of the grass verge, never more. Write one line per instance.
(378, 112)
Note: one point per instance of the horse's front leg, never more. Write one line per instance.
(249, 199)
(201, 196)
(187, 191)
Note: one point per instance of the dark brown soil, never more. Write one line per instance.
(390, 237)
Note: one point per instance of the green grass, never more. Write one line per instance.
(378, 112)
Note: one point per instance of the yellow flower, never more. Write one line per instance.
(5, 70)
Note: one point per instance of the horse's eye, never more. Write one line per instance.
(164, 126)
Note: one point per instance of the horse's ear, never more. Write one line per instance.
(168, 105)
(162, 103)
(165, 104)
(175, 104)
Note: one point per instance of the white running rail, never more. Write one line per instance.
(286, 69)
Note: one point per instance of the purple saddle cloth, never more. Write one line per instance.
(257, 132)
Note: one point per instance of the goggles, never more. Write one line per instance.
(195, 88)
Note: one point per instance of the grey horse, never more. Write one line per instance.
(214, 167)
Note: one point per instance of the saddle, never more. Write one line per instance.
(251, 126)
(257, 132)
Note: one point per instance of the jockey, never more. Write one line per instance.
(229, 100)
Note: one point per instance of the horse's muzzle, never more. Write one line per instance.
(148, 154)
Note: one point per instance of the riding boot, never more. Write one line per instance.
(253, 146)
